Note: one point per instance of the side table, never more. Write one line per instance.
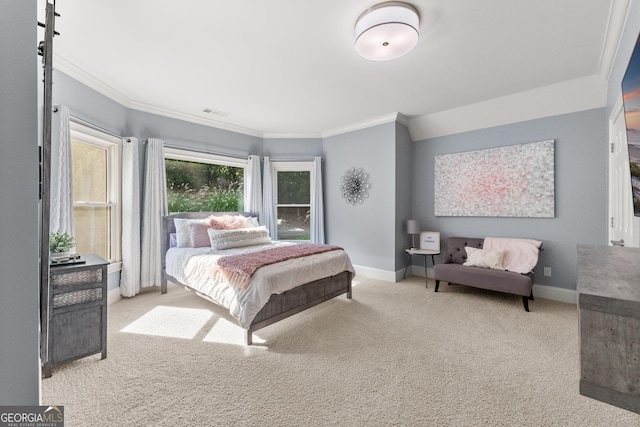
(425, 252)
(77, 313)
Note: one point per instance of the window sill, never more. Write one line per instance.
(114, 266)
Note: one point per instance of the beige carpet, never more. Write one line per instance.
(396, 354)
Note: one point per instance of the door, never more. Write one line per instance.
(621, 230)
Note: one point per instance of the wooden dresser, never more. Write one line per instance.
(609, 316)
(77, 315)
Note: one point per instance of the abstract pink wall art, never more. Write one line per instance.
(512, 181)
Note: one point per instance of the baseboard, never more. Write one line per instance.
(416, 270)
(113, 295)
(376, 273)
(556, 294)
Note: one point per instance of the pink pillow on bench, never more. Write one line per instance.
(520, 255)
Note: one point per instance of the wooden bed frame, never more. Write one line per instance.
(279, 306)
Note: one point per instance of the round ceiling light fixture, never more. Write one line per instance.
(387, 31)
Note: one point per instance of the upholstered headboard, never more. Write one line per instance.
(455, 253)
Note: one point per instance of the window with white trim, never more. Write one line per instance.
(202, 182)
(95, 158)
(293, 195)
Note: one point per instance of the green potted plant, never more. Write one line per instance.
(60, 244)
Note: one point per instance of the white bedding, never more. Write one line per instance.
(193, 267)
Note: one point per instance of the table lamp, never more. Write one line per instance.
(413, 228)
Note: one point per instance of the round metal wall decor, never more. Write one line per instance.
(354, 186)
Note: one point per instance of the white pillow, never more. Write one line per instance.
(484, 258)
(225, 239)
(183, 237)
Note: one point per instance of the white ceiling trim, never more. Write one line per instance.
(165, 112)
(615, 26)
(387, 118)
(568, 97)
(88, 79)
(91, 81)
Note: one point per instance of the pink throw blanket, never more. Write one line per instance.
(520, 255)
(239, 269)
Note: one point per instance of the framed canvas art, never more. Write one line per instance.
(511, 181)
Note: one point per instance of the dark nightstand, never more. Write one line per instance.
(77, 319)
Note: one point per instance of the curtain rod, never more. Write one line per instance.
(91, 125)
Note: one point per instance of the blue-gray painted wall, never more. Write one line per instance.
(404, 184)
(366, 231)
(580, 189)
(20, 76)
(292, 148)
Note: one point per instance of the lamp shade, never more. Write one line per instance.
(387, 31)
(413, 227)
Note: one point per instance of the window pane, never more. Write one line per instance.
(204, 187)
(92, 230)
(294, 188)
(293, 223)
(89, 173)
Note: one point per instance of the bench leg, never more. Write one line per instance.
(525, 301)
(531, 296)
(437, 285)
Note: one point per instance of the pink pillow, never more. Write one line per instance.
(230, 222)
(198, 236)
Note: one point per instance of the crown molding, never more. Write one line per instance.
(561, 98)
(618, 12)
(90, 80)
(292, 135)
(403, 120)
(362, 125)
(60, 63)
(165, 112)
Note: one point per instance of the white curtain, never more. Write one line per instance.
(130, 275)
(61, 192)
(268, 207)
(317, 225)
(253, 188)
(153, 209)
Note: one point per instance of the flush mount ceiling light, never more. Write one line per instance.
(387, 31)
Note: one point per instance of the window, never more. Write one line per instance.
(95, 158)
(200, 182)
(293, 195)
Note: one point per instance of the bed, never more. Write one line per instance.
(273, 293)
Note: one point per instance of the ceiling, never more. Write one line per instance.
(287, 68)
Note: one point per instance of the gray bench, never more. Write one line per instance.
(452, 271)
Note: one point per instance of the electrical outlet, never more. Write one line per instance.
(547, 271)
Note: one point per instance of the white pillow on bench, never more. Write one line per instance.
(484, 258)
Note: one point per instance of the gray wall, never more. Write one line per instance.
(580, 189)
(366, 231)
(292, 148)
(88, 104)
(403, 194)
(20, 75)
(185, 134)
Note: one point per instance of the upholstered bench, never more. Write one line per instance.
(517, 254)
